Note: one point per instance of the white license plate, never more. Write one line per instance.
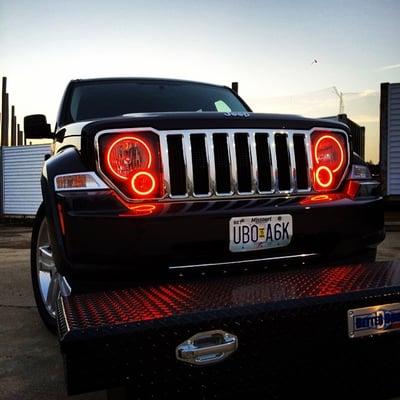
(260, 232)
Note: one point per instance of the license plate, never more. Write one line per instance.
(260, 232)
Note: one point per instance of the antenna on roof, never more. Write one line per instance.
(235, 87)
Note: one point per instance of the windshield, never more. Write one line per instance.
(114, 98)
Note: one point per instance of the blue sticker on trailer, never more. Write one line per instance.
(374, 320)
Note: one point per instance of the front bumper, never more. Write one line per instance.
(103, 235)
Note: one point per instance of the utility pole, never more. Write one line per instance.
(235, 87)
(4, 113)
(13, 127)
(20, 141)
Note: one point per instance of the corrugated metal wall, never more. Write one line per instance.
(21, 169)
(393, 141)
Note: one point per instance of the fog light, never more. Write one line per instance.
(324, 177)
(143, 183)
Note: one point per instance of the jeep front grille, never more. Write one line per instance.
(235, 163)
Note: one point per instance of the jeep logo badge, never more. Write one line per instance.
(237, 114)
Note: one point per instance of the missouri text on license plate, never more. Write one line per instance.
(260, 232)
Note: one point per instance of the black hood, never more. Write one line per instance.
(210, 120)
(199, 120)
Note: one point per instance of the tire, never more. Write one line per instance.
(44, 275)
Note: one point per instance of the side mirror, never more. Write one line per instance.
(36, 127)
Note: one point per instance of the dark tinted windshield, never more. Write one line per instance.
(109, 99)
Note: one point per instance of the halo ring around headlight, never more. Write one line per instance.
(338, 144)
(112, 146)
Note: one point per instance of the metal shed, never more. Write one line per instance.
(20, 171)
(390, 137)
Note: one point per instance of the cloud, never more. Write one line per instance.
(366, 118)
(360, 95)
(389, 67)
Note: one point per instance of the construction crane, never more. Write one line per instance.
(340, 95)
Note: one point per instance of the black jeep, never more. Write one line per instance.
(152, 177)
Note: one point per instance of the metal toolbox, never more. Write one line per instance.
(258, 333)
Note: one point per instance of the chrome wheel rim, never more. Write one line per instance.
(48, 278)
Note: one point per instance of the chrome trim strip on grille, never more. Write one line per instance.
(165, 162)
(253, 162)
(187, 156)
(307, 143)
(232, 161)
(292, 162)
(230, 138)
(274, 163)
(212, 184)
(218, 264)
(249, 152)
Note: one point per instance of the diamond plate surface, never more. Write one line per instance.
(181, 297)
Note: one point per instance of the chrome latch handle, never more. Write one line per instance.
(207, 347)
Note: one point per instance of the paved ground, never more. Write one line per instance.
(30, 363)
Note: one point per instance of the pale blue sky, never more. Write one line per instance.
(268, 46)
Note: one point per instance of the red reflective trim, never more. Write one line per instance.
(143, 209)
(322, 198)
(138, 210)
(60, 212)
(352, 189)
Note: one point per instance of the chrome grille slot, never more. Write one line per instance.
(200, 165)
(283, 162)
(263, 162)
(176, 166)
(302, 177)
(243, 163)
(222, 169)
(237, 163)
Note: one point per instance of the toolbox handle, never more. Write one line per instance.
(207, 347)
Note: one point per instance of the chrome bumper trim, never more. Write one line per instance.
(219, 264)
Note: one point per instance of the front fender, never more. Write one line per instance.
(66, 161)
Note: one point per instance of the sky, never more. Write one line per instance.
(267, 46)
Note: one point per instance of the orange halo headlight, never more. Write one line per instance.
(132, 162)
(329, 153)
